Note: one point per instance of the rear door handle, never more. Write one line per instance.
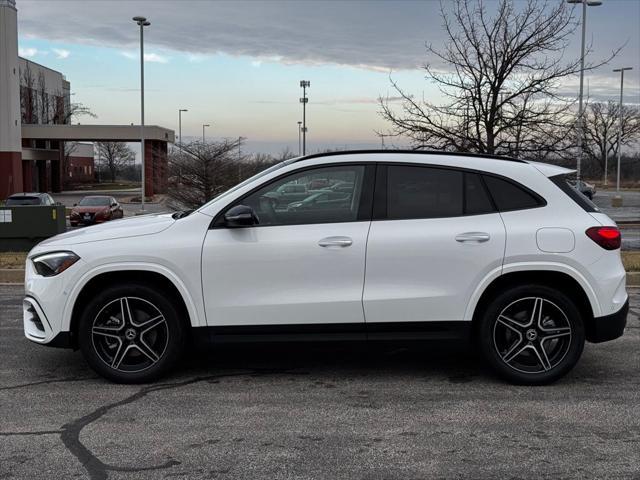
(473, 237)
(340, 242)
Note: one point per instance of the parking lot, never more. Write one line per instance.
(316, 411)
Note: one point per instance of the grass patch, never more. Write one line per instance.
(13, 260)
(631, 261)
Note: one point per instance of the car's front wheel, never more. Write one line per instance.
(131, 333)
(532, 334)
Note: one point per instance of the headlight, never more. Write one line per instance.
(51, 264)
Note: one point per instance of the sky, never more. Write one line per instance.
(236, 65)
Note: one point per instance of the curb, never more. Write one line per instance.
(16, 277)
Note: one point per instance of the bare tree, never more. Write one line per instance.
(499, 74)
(115, 156)
(601, 125)
(201, 171)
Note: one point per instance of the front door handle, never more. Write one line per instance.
(473, 237)
(340, 242)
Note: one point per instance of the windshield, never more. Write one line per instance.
(16, 201)
(273, 168)
(95, 202)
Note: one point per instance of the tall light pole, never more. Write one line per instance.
(205, 125)
(585, 4)
(299, 139)
(621, 70)
(180, 127)
(304, 100)
(142, 22)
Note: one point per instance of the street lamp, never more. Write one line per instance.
(142, 22)
(206, 125)
(304, 100)
(299, 138)
(180, 126)
(621, 70)
(585, 4)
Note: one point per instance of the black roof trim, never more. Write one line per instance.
(415, 152)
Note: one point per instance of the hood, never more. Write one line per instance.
(129, 227)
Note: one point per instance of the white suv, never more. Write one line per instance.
(411, 246)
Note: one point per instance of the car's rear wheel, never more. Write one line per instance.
(131, 333)
(532, 334)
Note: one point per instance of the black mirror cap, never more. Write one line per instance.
(240, 216)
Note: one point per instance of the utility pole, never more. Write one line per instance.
(621, 70)
(180, 127)
(585, 4)
(205, 125)
(304, 100)
(142, 22)
(299, 139)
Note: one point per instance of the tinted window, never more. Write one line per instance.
(95, 201)
(423, 192)
(476, 199)
(17, 201)
(509, 196)
(563, 183)
(300, 198)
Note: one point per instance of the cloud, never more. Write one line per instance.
(378, 36)
(148, 57)
(27, 52)
(61, 53)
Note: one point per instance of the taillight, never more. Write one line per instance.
(607, 237)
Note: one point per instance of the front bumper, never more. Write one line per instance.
(609, 327)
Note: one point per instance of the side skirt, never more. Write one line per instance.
(331, 332)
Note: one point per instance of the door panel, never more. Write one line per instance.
(282, 275)
(303, 263)
(427, 269)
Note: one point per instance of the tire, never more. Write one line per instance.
(531, 334)
(145, 347)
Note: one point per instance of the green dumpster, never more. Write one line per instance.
(21, 227)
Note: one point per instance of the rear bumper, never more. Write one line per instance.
(609, 327)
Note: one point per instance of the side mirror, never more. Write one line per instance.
(114, 204)
(75, 204)
(240, 216)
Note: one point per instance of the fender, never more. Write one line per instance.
(196, 317)
(532, 266)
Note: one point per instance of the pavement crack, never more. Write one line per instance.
(40, 432)
(96, 468)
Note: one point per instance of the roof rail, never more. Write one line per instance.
(415, 152)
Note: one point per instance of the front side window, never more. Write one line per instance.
(309, 197)
(423, 192)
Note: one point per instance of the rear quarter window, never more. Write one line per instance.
(562, 182)
(508, 195)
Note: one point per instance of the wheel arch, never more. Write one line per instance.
(146, 274)
(584, 297)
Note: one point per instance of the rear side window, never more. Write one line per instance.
(423, 192)
(509, 196)
(563, 183)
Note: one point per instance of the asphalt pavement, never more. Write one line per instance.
(316, 411)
